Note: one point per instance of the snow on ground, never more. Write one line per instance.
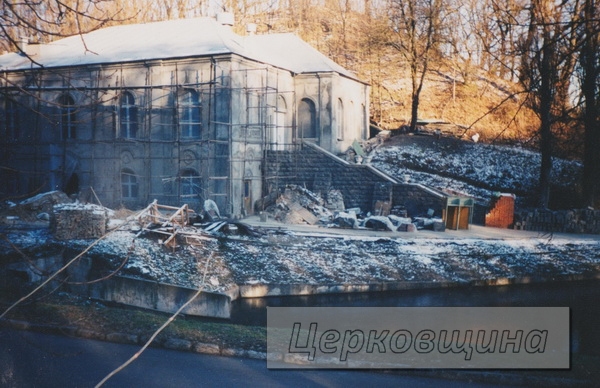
(329, 260)
(292, 259)
(473, 169)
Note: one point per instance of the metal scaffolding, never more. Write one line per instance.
(238, 113)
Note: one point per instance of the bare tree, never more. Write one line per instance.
(590, 89)
(46, 20)
(417, 29)
(546, 69)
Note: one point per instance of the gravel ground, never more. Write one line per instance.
(290, 258)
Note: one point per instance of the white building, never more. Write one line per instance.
(180, 111)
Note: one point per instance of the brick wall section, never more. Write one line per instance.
(361, 185)
(502, 211)
(569, 221)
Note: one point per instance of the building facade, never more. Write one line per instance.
(179, 111)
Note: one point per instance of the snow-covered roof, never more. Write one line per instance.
(181, 38)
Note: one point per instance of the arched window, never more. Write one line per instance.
(340, 119)
(307, 119)
(128, 116)
(67, 117)
(190, 119)
(129, 184)
(281, 104)
(190, 185)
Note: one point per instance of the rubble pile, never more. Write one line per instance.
(297, 205)
(35, 208)
(289, 258)
(346, 220)
(74, 221)
(335, 200)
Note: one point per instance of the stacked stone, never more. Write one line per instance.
(570, 221)
(78, 221)
(335, 200)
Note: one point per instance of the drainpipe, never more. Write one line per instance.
(211, 128)
(318, 113)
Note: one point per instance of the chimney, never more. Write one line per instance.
(33, 49)
(22, 44)
(251, 28)
(226, 18)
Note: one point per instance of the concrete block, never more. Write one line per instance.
(178, 344)
(123, 338)
(201, 347)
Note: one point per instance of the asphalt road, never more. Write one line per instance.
(30, 359)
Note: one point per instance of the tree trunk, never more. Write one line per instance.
(546, 99)
(414, 112)
(591, 74)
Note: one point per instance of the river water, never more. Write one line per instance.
(582, 297)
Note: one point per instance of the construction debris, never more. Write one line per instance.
(168, 223)
(297, 205)
(382, 208)
(346, 220)
(379, 223)
(75, 221)
(211, 210)
(175, 224)
(34, 209)
(298, 215)
(335, 200)
(45, 202)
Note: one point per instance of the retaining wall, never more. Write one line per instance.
(361, 185)
(567, 221)
(261, 291)
(161, 297)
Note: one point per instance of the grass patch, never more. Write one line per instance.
(67, 310)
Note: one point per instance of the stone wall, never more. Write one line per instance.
(361, 185)
(162, 297)
(568, 221)
(78, 221)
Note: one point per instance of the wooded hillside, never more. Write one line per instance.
(524, 71)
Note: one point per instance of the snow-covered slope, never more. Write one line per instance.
(295, 259)
(469, 168)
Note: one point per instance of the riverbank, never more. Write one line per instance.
(65, 314)
(305, 255)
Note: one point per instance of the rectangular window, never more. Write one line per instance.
(68, 117)
(129, 185)
(68, 123)
(189, 114)
(128, 116)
